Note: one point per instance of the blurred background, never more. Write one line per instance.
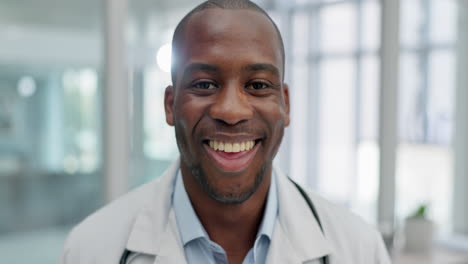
(379, 96)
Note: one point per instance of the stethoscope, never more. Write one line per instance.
(323, 260)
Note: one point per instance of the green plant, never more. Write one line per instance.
(421, 212)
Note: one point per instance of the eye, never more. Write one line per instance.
(258, 85)
(204, 85)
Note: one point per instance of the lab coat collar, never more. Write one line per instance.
(154, 231)
(297, 232)
(296, 238)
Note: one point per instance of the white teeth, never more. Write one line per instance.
(221, 146)
(231, 147)
(235, 147)
(227, 147)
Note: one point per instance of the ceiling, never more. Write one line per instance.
(39, 33)
(83, 15)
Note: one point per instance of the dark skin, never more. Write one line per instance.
(229, 86)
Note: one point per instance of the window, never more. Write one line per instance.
(160, 141)
(80, 101)
(427, 85)
(153, 146)
(335, 92)
(334, 99)
(50, 134)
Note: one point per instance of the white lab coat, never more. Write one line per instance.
(143, 221)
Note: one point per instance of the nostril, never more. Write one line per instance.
(231, 111)
(230, 122)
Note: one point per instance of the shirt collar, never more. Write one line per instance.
(271, 210)
(155, 230)
(187, 220)
(190, 226)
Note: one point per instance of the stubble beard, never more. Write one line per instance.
(226, 198)
(203, 181)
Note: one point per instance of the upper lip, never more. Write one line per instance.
(228, 137)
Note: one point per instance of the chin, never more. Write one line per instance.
(228, 188)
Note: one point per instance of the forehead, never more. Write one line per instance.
(226, 35)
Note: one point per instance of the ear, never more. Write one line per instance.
(169, 105)
(286, 102)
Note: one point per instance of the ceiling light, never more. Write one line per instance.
(163, 57)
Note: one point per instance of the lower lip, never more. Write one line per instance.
(232, 162)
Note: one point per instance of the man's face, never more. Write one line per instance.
(229, 105)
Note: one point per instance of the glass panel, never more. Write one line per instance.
(369, 98)
(347, 166)
(50, 143)
(80, 106)
(441, 97)
(411, 24)
(301, 35)
(337, 126)
(427, 77)
(338, 28)
(425, 176)
(152, 26)
(370, 25)
(365, 201)
(299, 118)
(443, 15)
(160, 141)
(367, 180)
(329, 1)
(411, 108)
(306, 1)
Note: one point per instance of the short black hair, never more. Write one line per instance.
(222, 4)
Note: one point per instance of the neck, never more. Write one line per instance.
(233, 226)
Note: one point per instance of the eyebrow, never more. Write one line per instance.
(204, 67)
(262, 67)
(199, 67)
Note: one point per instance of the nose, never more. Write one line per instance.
(231, 106)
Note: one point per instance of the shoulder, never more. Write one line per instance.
(349, 234)
(105, 232)
(339, 217)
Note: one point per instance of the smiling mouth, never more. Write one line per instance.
(229, 147)
(232, 156)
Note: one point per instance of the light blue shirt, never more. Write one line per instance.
(197, 245)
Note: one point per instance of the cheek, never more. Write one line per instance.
(183, 125)
(273, 114)
(189, 112)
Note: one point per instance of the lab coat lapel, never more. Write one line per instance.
(155, 231)
(280, 250)
(171, 250)
(297, 237)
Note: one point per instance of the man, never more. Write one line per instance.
(223, 202)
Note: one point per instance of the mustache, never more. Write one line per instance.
(239, 128)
